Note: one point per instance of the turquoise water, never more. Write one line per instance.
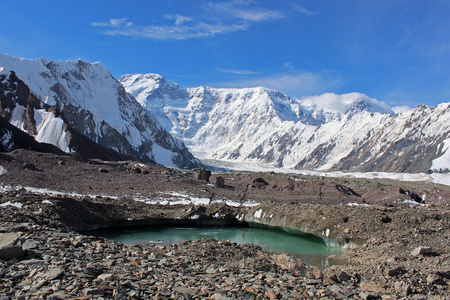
(310, 248)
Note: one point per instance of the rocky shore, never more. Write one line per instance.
(401, 246)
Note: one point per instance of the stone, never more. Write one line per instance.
(54, 273)
(434, 279)
(202, 174)
(422, 250)
(93, 291)
(371, 287)
(259, 183)
(184, 290)
(28, 245)
(344, 277)
(220, 182)
(29, 166)
(105, 277)
(397, 271)
(9, 248)
(403, 288)
(386, 219)
(271, 294)
(103, 170)
(93, 269)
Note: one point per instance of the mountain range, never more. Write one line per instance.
(349, 132)
(79, 106)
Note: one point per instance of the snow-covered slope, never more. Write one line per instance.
(327, 132)
(47, 98)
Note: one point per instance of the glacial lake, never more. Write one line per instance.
(311, 249)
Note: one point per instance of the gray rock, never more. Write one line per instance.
(421, 251)
(9, 248)
(28, 245)
(184, 290)
(93, 291)
(403, 288)
(54, 273)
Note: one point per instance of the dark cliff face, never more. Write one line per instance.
(14, 91)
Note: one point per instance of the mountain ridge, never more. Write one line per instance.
(91, 102)
(268, 127)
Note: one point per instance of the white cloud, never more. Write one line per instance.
(179, 19)
(399, 109)
(341, 102)
(293, 84)
(113, 23)
(237, 72)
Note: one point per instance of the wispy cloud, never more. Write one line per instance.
(228, 17)
(237, 72)
(243, 11)
(304, 10)
(173, 32)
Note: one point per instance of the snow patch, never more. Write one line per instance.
(50, 129)
(442, 162)
(357, 204)
(15, 204)
(2, 171)
(258, 213)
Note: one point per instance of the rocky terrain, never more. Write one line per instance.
(399, 232)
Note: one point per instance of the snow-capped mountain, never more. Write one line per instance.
(328, 132)
(64, 102)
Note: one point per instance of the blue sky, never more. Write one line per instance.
(397, 51)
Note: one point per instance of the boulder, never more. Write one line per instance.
(220, 182)
(259, 183)
(202, 174)
(397, 271)
(421, 251)
(9, 248)
(293, 264)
